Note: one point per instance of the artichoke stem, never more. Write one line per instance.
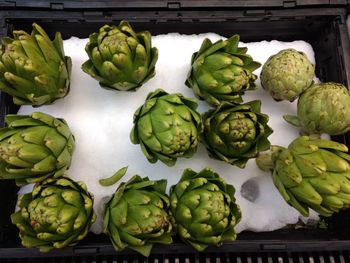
(264, 162)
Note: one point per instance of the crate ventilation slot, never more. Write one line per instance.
(307, 257)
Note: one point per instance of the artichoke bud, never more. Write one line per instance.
(120, 59)
(34, 71)
(167, 126)
(306, 180)
(287, 74)
(232, 133)
(202, 215)
(323, 108)
(219, 73)
(35, 143)
(47, 221)
(134, 216)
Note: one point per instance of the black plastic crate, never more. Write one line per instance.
(320, 23)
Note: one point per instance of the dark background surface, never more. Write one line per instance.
(320, 23)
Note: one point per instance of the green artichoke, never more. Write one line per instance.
(136, 216)
(35, 147)
(236, 133)
(167, 126)
(58, 213)
(287, 74)
(323, 108)
(203, 208)
(311, 173)
(222, 71)
(119, 58)
(34, 69)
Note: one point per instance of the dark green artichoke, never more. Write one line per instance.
(34, 69)
(323, 108)
(311, 173)
(167, 126)
(236, 133)
(35, 147)
(58, 213)
(203, 208)
(222, 71)
(119, 58)
(136, 216)
(287, 74)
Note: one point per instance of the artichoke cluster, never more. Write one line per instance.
(322, 108)
(201, 209)
(168, 126)
(38, 149)
(312, 173)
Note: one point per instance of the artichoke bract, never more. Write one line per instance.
(35, 147)
(58, 213)
(222, 71)
(119, 58)
(33, 69)
(136, 215)
(311, 173)
(323, 108)
(203, 208)
(167, 126)
(236, 133)
(287, 74)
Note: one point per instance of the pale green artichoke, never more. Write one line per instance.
(236, 133)
(323, 108)
(287, 74)
(119, 58)
(35, 147)
(311, 173)
(222, 71)
(34, 69)
(58, 213)
(203, 208)
(136, 215)
(167, 126)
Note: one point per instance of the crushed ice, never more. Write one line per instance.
(101, 121)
